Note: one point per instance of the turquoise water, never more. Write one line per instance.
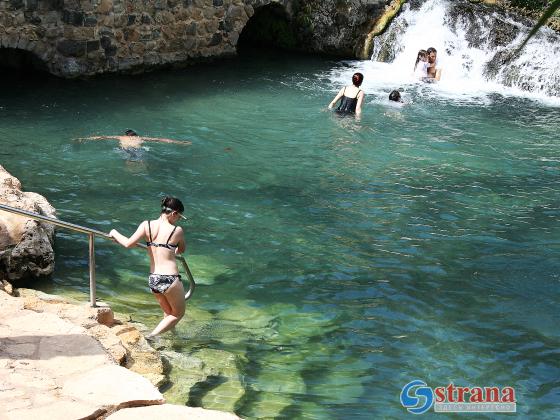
(337, 260)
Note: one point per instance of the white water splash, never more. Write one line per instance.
(535, 74)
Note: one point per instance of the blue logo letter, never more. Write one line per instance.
(412, 402)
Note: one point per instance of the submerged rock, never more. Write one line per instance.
(26, 246)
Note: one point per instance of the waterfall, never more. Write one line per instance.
(473, 42)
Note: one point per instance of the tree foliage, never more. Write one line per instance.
(554, 6)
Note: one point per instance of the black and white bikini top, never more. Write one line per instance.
(165, 245)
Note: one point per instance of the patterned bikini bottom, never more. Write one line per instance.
(159, 283)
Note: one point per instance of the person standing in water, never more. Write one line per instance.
(164, 240)
(351, 97)
(434, 70)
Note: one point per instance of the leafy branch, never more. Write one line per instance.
(555, 5)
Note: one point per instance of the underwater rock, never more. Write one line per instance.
(26, 246)
(206, 377)
(207, 269)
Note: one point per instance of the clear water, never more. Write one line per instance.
(337, 260)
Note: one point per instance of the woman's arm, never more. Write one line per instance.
(359, 103)
(336, 98)
(181, 245)
(133, 240)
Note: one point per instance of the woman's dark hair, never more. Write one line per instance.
(395, 96)
(169, 204)
(130, 132)
(357, 79)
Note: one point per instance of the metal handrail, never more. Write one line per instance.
(92, 233)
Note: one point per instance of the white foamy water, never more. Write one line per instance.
(464, 58)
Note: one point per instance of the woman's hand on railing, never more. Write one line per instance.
(112, 235)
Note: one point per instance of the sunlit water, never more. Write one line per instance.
(337, 259)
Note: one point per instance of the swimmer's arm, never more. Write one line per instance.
(438, 74)
(336, 98)
(359, 103)
(99, 138)
(133, 240)
(184, 142)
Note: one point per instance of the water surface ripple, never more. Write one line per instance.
(337, 260)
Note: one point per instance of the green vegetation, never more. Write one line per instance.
(554, 6)
(530, 4)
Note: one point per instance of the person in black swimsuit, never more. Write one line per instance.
(164, 279)
(351, 97)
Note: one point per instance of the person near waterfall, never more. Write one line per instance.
(164, 240)
(421, 65)
(351, 97)
(434, 69)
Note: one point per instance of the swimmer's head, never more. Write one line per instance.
(171, 205)
(357, 79)
(130, 132)
(395, 96)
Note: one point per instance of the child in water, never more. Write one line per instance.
(421, 65)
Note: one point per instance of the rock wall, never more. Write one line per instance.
(337, 27)
(25, 245)
(85, 37)
(73, 38)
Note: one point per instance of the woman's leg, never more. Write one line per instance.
(175, 297)
(163, 303)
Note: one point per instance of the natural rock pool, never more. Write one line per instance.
(336, 260)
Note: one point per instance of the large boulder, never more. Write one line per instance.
(26, 246)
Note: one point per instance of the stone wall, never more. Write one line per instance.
(86, 37)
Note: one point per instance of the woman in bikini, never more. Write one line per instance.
(164, 280)
(352, 97)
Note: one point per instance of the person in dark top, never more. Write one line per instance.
(351, 97)
(164, 279)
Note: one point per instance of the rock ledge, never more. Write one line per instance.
(52, 365)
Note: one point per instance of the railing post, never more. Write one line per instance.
(92, 298)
